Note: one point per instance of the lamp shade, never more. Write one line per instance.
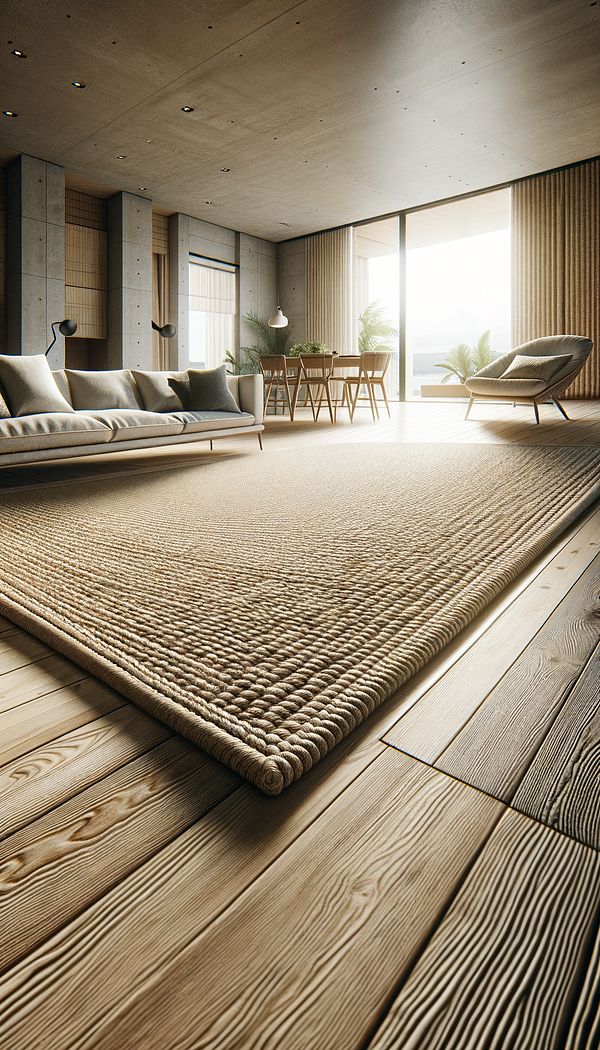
(278, 320)
(167, 331)
(67, 327)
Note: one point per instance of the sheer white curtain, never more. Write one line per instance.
(213, 312)
(329, 289)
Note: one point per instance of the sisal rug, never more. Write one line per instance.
(265, 605)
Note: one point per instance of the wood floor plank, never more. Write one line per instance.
(26, 683)
(17, 649)
(562, 785)
(313, 949)
(429, 727)
(33, 724)
(496, 746)
(501, 969)
(46, 777)
(148, 918)
(5, 625)
(62, 863)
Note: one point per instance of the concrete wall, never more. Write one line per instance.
(35, 263)
(258, 282)
(129, 281)
(292, 285)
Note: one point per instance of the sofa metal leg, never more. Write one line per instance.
(537, 412)
(560, 407)
(469, 407)
(259, 436)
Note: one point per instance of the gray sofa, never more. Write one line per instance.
(41, 436)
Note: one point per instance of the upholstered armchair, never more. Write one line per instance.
(535, 372)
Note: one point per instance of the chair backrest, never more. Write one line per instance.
(273, 366)
(316, 366)
(374, 363)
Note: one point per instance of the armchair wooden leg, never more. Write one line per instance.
(469, 407)
(259, 436)
(560, 407)
(537, 411)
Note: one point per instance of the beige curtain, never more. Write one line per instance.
(160, 300)
(329, 289)
(556, 261)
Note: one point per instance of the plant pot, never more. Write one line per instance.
(444, 390)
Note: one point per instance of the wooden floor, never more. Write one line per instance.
(435, 882)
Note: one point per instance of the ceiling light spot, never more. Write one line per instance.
(142, 187)
(284, 223)
(9, 113)
(18, 54)
(225, 169)
(78, 84)
(208, 202)
(297, 23)
(149, 141)
(463, 63)
(121, 156)
(210, 27)
(187, 109)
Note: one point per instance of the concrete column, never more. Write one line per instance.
(292, 285)
(129, 340)
(35, 262)
(179, 289)
(258, 282)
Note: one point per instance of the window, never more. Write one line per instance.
(458, 276)
(213, 312)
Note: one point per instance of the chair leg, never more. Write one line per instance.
(211, 445)
(385, 398)
(289, 401)
(328, 395)
(259, 436)
(312, 403)
(469, 407)
(560, 407)
(537, 411)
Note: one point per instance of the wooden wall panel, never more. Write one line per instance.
(329, 289)
(555, 265)
(81, 209)
(160, 234)
(87, 306)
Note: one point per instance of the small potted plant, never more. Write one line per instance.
(462, 362)
(313, 346)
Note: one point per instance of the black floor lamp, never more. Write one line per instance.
(66, 327)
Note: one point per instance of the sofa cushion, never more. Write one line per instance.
(100, 390)
(209, 391)
(129, 424)
(51, 430)
(505, 387)
(29, 386)
(524, 367)
(157, 394)
(60, 378)
(196, 422)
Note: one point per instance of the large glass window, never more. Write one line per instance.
(457, 289)
(213, 312)
(377, 292)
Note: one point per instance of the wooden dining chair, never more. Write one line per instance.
(278, 378)
(315, 375)
(371, 374)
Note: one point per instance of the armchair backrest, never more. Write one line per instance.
(577, 346)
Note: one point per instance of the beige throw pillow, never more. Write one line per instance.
(522, 367)
(156, 393)
(96, 390)
(29, 386)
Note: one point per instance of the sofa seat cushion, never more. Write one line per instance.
(196, 422)
(131, 424)
(505, 387)
(51, 430)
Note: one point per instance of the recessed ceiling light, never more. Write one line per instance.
(149, 141)
(142, 187)
(121, 156)
(225, 169)
(9, 113)
(284, 223)
(78, 84)
(208, 202)
(18, 54)
(187, 109)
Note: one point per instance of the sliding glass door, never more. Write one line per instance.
(376, 294)
(457, 291)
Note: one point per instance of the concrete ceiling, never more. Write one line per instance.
(326, 111)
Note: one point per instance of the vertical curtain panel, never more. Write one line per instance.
(329, 289)
(556, 262)
(160, 300)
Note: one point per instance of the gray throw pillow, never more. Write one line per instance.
(29, 386)
(156, 393)
(181, 387)
(209, 391)
(95, 390)
(524, 367)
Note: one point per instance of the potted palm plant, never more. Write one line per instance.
(461, 362)
(268, 341)
(375, 332)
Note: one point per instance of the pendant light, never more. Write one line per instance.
(278, 320)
